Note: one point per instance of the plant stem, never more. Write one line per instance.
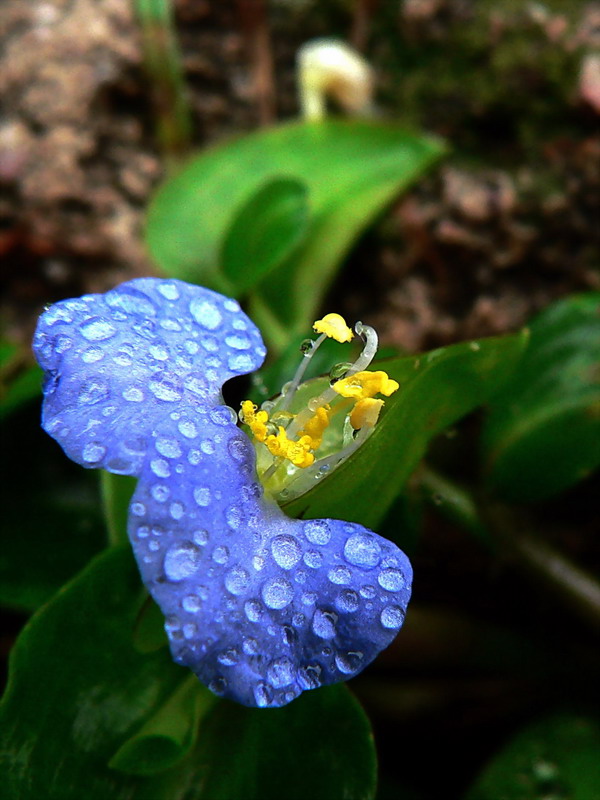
(162, 61)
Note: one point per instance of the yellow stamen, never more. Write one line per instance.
(296, 452)
(334, 326)
(316, 425)
(365, 413)
(366, 384)
(255, 420)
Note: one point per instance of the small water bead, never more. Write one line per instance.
(191, 347)
(228, 657)
(323, 624)
(220, 554)
(233, 516)
(160, 468)
(131, 301)
(169, 291)
(280, 673)
(200, 536)
(160, 493)
(339, 575)
(277, 593)
(143, 531)
(96, 329)
(108, 411)
(288, 635)
(368, 592)
(158, 352)
(164, 389)
(258, 562)
(253, 610)
(207, 446)
(218, 685)
(239, 449)
(136, 446)
(347, 601)
(238, 341)
(137, 509)
(313, 559)
(191, 603)
(169, 448)
(392, 617)
(263, 695)
(93, 392)
(182, 560)
(362, 550)
(176, 511)
(349, 662)
(317, 532)
(237, 580)
(391, 579)
(188, 429)
(309, 598)
(239, 324)
(170, 325)
(194, 457)
(153, 545)
(223, 415)
(190, 630)
(202, 496)
(206, 314)
(241, 362)
(300, 576)
(93, 453)
(309, 677)
(92, 355)
(286, 551)
(250, 646)
(133, 394)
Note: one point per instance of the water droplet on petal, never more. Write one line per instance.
(238, 341)
(131, 301)
(169, 291)
(253, 610)
(188, 429)
(97, 329)
(220, 554)
(392, 617)
(133, 394)
(182, 561)
(339, 575)
(93, 392)
(169, 448)
(202, 496)
(277, 593)
(347, 601)
(313, 559)
(286, 551)
(228, 657)
(323, 624)
(164, 389)
(363, 550)
(92, 355)
(263, 695)
(191, 603)
(309, 677)
(317, 532)
(391, 579)
(93, 453)
(349, 662)
(280, 673)
(206, 313)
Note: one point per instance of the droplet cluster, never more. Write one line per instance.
(259, 606)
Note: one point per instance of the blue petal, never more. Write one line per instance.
(259, 606)
(118, 362)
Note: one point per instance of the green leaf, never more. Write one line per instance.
(542, 433)
(554, 758)
(265, 232)
(167, 736)
(51, 521)
(19, 381)
(320, 746)
(352, 170)
(78, 688)
(436, 389)
(117, 491)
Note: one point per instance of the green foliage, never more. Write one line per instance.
(542, 433)
(349, 171)
(436, 389)
(555, 757)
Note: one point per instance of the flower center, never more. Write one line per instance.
(313, 426)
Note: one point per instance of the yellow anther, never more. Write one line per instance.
(366, 384)
(334, 326)
(255, 420)
(365, 413)
(316, 425)
(296, 452)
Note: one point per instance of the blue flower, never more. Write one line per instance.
(261, 607)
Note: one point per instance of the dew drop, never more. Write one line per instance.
(238, 341)
(347, 601)
(241, 363)
(97, 329)
(132, 301)
(220, 554)
(207, 446)
(317, 532)
(92, 392)
(138, 509)
(323, 624)
(169, 448)
(160, 493)
(218, 685)
(202, 496)
(92, 355)
(349, 662)
(187, 429)
(262, 695)
(309, 677)
(277, 593)
(253, 610)
(309, 598)
(250, 646)
(190, 630)
(391, 579)
(176, 510)
(228, 657)
(93, 453)
(313, 559)
(339, 575)
(363, 550)
(160, 468)
(182, 561)
(280, 673)
(206, 313)
(286, 551)
(191, 603)
(392, 617)
(133, 394)
(158, 352)
(165, 390)
(368, 592)
(233, 515)
(239, 450)
(200, 537)
(169, 291)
